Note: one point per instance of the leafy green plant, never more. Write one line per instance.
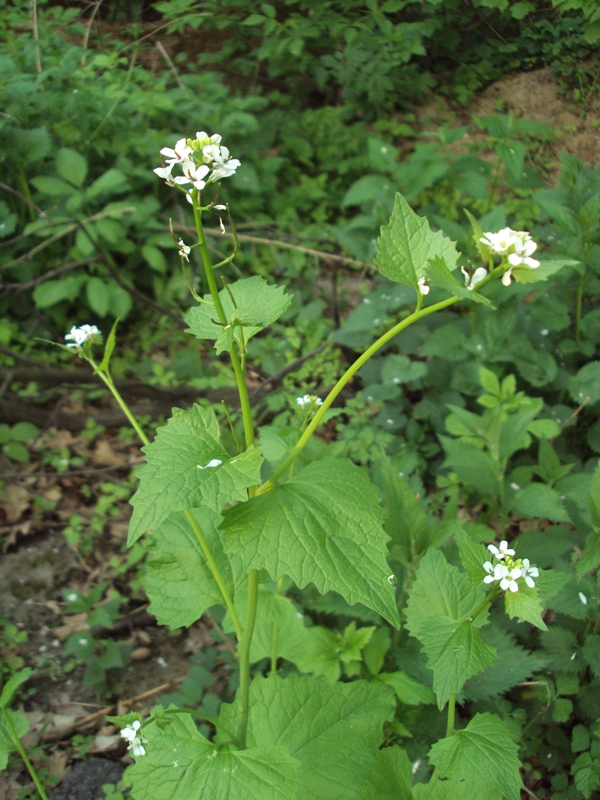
(13, 439)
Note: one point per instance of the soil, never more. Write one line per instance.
(38, 565)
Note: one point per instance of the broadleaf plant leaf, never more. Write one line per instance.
(179, 582)
(178, 475)
(440, 275)
(484, 756)
(407, 245)
(309, 718)
(250, 305)
(20, 724)
(324, 526)
(525, 604)
(473, 556)
(180, 762)
(438, 613)
(390, 778)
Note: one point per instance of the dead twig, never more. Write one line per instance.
(575, 413)
(165, 687)
(172, 67)
(53, 273)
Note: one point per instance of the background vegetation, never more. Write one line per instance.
(320, 101)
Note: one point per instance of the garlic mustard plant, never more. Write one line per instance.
(236, 519)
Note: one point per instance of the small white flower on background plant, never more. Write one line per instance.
(179, 153)
(524, 247)
(582, 598)
(472, 281)
(77, 337)
(193, 174)
(529, 573)
(500, 242)
(220, 207)
(184, 249)
(136, 741)
(516, 246)
(307, 400)
(502, 551)
(202, 160)
(423, 288)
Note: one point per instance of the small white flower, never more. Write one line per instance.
(307, 400)
(507, 277)
(202, 136)
(510, 580)
(193, 174)
(524, 247)
(502, 551)
(214, 462)
(71, 597)
(423, 288)
(496, 572)
(165, 174)
(515, 487)
(220, 207)
(179, 153)
(132, 733)
(529, 573)
(184, 249)
(500, 242)
(221, 226)
(77, 337)
(583, 598)
(544, 331)
(479, 274)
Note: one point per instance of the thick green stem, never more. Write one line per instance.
(487, 599)
(245, 657)
(451, 710)
(21, 750)
(238, 370)
(350, 372)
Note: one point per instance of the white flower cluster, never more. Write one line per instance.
(136, 741)
(516, 246)
(202, 160)
(77, 337)
(507, 570)
(308, 400)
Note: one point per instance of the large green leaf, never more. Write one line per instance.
(546, 269)
(177, 476)
(178, 581)
(324, 527)
(438, 613)
(475, 467)
(473, 556)
(539, 500)
(525, 604)
(250, 305)
(181, 763)
(334, 730)
(390, 778)
(586, 383)
(484, 755)
(407, 245)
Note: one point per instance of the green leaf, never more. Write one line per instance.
(408, 690)
(513, 430)
(545, 270)
(407, 245)
(580, 739)
(113, 180)
(72, 166)
(400, 369)
(21, 725)
(368, 190)
(484, 755)
(24, 432)
(12, 684)
(472, 555)
(525, 604)
(177, 476)
(587, 774)
(155, 258)
(513, 665)
(255, 306)
(474, 467)
(390, 778)
(586, 383)
(438, 614)
(539, 500)
(478, 235)
(310, 717)
(590, 555)
(179, 581)
(98, 296)
(444, 790)
(324, 527)
(53, 187)
(108, 348)
(50, 293)
(376, 650)
(181, 763)
(591, 653)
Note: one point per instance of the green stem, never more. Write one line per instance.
(216, 572)
(451, 710)
(106, 377)
(245, 657)
(238, 370)
(352, 370)
(23, 754)
(487, 599)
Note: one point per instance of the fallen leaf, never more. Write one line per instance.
(74, 623)
(60, 726)
(105, 456)
(104, 743)
(14, 500)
